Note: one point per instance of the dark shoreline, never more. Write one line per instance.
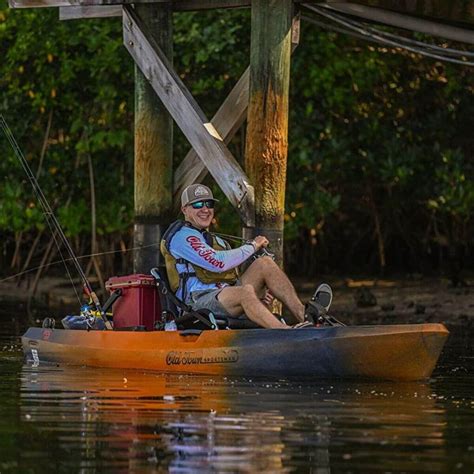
(387, 301)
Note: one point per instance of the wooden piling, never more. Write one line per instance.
(267, 119)
(153, 148)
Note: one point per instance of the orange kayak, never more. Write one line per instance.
(391, 352)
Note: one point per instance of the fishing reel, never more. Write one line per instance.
(262, 252)
(90, 315)
(48, 323)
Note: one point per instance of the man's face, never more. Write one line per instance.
(200, 217)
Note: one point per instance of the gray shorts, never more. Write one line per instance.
(207, 299)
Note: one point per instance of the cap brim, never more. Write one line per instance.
(201, 199)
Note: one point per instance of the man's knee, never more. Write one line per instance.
(235, 298)
(264, 263)
(248, 292)
(237, 294)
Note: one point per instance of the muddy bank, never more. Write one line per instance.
(52, 292)
(356, 301)
(393, 301)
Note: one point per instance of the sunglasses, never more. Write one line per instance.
(201, 204)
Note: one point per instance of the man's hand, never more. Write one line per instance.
(260, 241)
(267, 299)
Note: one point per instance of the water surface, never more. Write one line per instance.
(54, 419)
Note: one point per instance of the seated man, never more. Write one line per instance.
(203, 269)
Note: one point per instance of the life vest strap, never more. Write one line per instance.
(176, 279)
(187, 274)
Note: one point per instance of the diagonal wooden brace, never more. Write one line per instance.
(227, 120)
(202, 135)
(180, 5)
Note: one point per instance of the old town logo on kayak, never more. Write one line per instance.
(224, 356)
(207, 254)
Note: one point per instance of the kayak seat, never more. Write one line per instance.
(175, 309)
(188, 321)
(188, 318)
(242, 323)
(200, 319)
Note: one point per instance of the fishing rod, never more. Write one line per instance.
(235, 238)
(52, 220)
(263, 252)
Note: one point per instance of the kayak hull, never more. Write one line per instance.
(397, 352)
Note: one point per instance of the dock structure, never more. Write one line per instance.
(153, 167)
(260, 96)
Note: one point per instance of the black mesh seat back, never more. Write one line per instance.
(166, 301)
(168, 306)
(184, 314)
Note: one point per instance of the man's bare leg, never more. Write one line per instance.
(265, 273)
(243, 299)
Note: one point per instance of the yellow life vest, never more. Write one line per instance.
(206, 276)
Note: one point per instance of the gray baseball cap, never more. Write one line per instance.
(196, 192)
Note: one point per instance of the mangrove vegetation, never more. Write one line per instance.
(380, 166)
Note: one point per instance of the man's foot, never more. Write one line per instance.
(323, 296)
(317, 308)
(319, 303)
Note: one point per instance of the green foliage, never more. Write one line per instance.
(78, 75)
(376, 134)
(387, 132)
(16, 214)
(452, 193)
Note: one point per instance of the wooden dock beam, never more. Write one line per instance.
(267, 118)
(153, 149)
(201, 133)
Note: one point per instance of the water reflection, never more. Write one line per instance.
(148, 422)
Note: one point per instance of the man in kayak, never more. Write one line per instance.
(203, 270)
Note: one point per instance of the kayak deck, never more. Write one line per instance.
(393, 352)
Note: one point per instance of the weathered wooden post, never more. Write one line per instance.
(267, 118)
(153, 148)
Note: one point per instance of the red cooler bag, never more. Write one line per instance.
(139, 304)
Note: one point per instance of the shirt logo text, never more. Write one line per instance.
(207, 254)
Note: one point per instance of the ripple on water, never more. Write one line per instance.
(95, 419)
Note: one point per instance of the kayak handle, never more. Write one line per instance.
(116, 294)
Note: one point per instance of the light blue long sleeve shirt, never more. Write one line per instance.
(189, 244)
